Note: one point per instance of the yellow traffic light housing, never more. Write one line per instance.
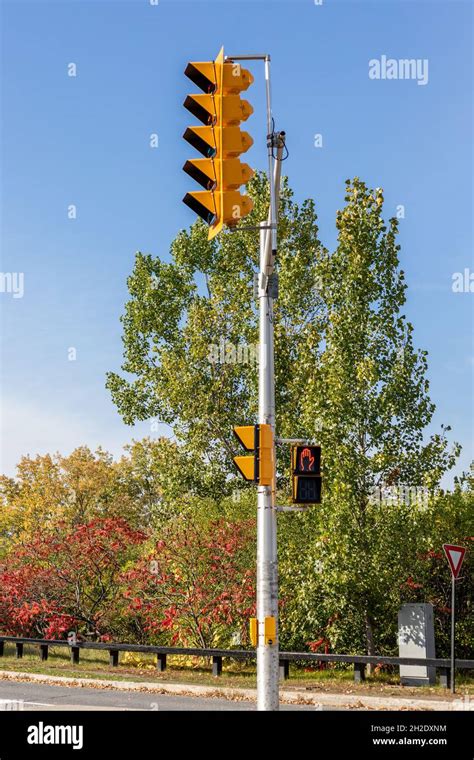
(259, 467)
(220, 141)
(269, 631)
(205, 171)
(210, 110)
(253, 631)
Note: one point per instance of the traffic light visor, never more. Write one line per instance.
(202, 204)
(202, 107)
(202, 171)
(203, 75)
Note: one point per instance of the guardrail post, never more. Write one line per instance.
(284, 669)
(160, 662)
(216, 665)
(19, 650)
(445, 677)
(1, 648)
(75, 655)
(43, 652)
(113, 657)
(359, 672)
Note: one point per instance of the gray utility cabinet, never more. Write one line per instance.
(416, 639)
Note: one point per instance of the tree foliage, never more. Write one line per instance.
(196, 585)
(153, 480)
(347, 374)
(66, 579)
(190, 319)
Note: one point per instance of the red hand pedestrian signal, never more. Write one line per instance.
(306, 474)
(306, 460)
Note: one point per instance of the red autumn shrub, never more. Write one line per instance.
(66, 579)
(197, 586)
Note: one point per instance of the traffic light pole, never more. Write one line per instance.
(267, 560)
(267, 566)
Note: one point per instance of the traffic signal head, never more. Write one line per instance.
(259, 467)
(205, 75)
(306, 474)
(220, 140)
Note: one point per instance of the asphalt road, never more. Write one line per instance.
(38, 696)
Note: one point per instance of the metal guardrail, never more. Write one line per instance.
(360, 661)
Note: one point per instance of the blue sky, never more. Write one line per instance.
(84, 140)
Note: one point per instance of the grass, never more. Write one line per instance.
(95, 664)
(141, 668)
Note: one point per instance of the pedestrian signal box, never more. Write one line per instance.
(306, 474)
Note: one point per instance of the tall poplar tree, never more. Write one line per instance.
(370, 396)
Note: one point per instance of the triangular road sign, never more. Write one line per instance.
(455, 556)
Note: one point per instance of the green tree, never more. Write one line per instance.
(347, 374)
(448, 519)
(191, 332)
(152, 481)
(369, 394)
(161, 478)
(49, 489)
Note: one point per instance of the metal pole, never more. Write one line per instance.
(267, 559)
(267, 570)
(267, 563)
(267, 567)
(453, 601)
